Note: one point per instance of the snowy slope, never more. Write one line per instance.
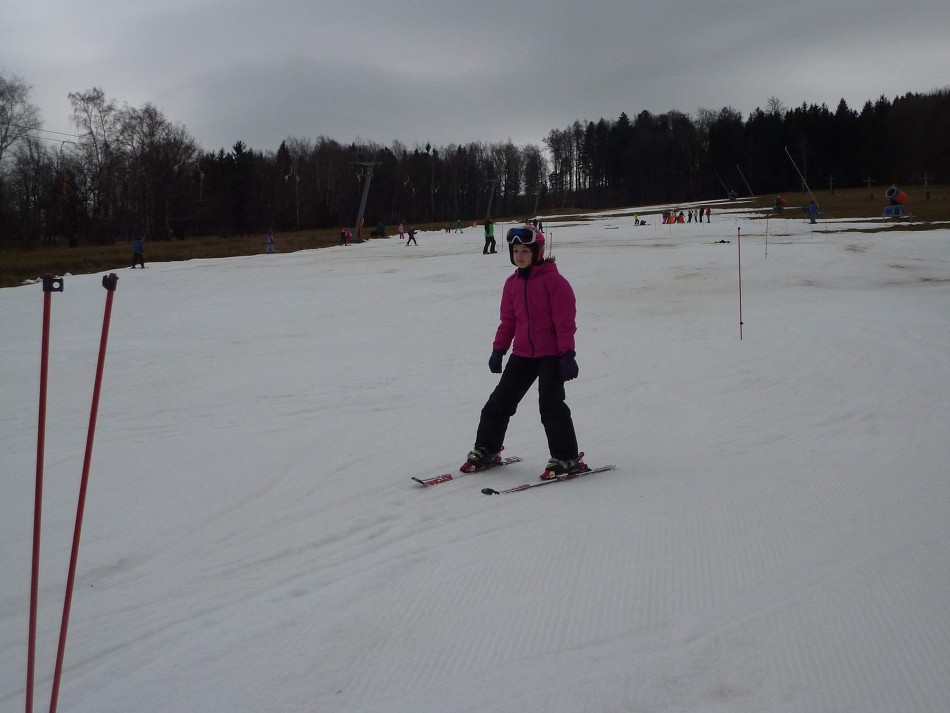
(775, 538)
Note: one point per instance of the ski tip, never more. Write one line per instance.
(489, 491)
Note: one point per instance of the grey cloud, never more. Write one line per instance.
(453, 72)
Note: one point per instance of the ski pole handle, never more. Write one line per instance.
(52, 284)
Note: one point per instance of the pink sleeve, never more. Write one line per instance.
(564, 312)
(506, 329)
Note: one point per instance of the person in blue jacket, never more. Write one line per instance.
(138, 252)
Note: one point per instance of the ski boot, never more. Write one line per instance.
(557, 468)
(480, 458)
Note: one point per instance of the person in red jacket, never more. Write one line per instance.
(538, 314)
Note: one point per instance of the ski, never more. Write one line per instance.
(446, 477)
(566, 476)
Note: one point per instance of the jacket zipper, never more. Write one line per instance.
(527, 312)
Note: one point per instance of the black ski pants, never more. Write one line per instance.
(489, 245)
(519, 374)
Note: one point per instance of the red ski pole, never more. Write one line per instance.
(739, 243)
(50, 285)
(109, 282)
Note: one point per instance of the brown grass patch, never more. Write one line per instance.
(18, 265)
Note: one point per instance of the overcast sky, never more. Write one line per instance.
(446, 72)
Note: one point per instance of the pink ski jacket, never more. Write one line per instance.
(538, 312)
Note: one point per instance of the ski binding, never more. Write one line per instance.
(446, 477)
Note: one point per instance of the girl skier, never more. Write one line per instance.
(538, 314)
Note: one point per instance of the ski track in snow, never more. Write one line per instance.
(774, 538)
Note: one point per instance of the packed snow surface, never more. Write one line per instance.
(776, 536)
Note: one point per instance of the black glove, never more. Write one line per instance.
(494, 361)
(568, 366)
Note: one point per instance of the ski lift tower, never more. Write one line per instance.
(491, 195)
(364, 170)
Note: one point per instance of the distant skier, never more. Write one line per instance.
(458, 226)
(402, 232)
(813, 211)
(538, 314)
(489, 237)
(269, 247)
(412, 236)
(138, 252)
(708, 213)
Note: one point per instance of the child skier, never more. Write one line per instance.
(538, 313)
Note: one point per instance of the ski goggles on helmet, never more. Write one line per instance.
(522, 236)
